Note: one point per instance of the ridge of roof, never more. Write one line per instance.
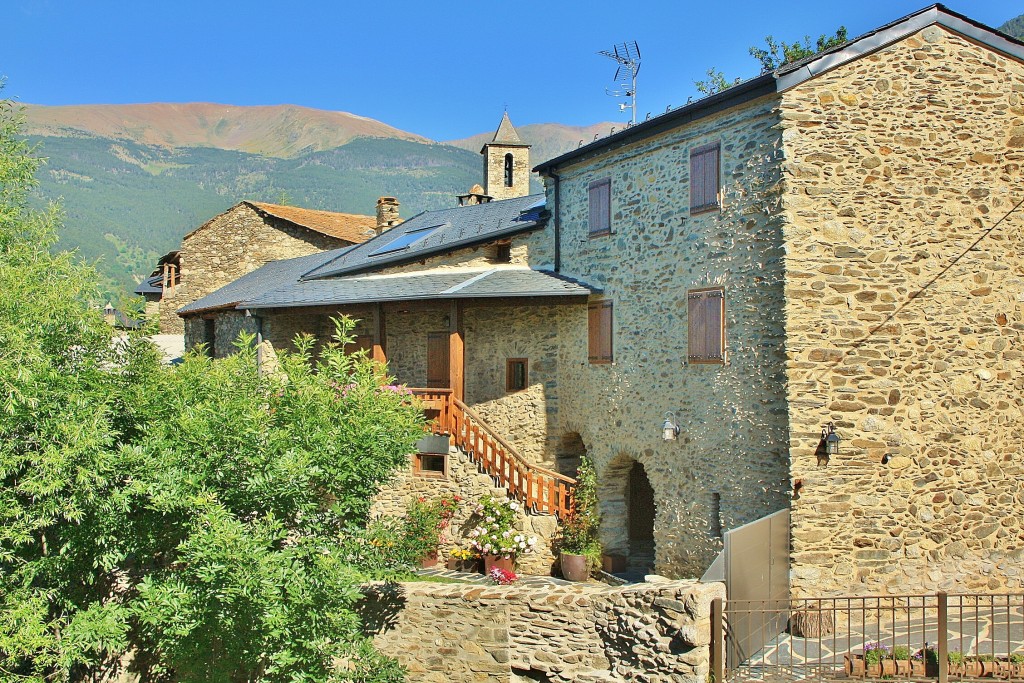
(351, 227)
(790, 75)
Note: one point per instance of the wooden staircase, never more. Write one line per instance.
(540, 490)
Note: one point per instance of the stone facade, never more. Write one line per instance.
(235, 243)
(583, 633)
(729, 465)
(905, 319)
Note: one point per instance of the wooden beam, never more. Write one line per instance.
(456, 351)
(380, 339)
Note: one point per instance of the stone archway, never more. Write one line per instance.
(568, 453)
(627, 515)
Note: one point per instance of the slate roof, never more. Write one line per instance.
(350, 227)
(271, 276)
(505, 135)
(500, 282)
(453, 228)
(791, 75)
(154, 284)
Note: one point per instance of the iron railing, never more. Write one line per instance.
(912, 637)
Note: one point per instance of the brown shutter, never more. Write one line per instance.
(696, 327)
(713, 304)
(704, 177)
(696, 180)
(437, 360)
(600, 206)
(706, 326)
(599, 332)
(711, 177)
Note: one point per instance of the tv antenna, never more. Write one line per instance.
(627, 55)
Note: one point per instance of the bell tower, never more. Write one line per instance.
(506, 163)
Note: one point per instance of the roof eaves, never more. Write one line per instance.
(744, 92)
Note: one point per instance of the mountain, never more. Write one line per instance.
(1014, 27)
(133, 179)
(277, 131)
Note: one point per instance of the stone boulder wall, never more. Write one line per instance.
(583, 632)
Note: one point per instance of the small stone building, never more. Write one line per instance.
(239, 241)
(836, 243)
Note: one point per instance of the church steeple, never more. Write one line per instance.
(506, 163)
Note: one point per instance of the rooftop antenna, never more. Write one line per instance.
(627, 55)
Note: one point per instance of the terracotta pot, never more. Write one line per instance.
(491, 561)
(574, 567)
(429, 560)
(471, 565)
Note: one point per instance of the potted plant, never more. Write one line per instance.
(496, 534)
(579, 547)
(463, 560)
(424, 522)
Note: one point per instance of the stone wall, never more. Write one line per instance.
(905, 319)
(560, 634)
(494, 171)
(464, 479)
(729, 465)
(232, 244)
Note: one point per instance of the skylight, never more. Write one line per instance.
(404, 241)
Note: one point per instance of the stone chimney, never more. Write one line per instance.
(387, 214)
(474, 196)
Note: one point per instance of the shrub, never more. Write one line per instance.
(900, 652)
(496, 531)
(425, 521)
(579, 529)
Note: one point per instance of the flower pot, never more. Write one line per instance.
(574, 567)
(471, 565)
(491, 561)
(429, 560)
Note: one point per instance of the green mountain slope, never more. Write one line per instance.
(1014, 27)
(126, 203)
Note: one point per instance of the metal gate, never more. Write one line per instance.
(754, 564)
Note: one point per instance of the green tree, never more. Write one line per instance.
(208, 518)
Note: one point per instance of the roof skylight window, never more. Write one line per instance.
(404, 241)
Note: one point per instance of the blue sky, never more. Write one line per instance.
(441, 69)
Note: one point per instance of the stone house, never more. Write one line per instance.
(238, 241)
(837, 243)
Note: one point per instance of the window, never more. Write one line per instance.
(430, 464)
(516, 377)
(706, 325)
(404, 241)
(601, 207)
(704, 171)
(599, 332)
(508, 170)
(502, 253)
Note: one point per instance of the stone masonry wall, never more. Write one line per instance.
(730, 463)
(464, 479)
(560, 634)
(905, 318)
(235, 243)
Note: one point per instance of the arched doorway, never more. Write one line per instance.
(567, 457)
(640, 514)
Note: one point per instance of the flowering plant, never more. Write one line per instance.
(875, 652)
(462, 554)
(503, 577)
(424, 522)
(496, 530)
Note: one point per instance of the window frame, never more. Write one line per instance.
(702, 292)
(419, 471)
(606, 208)
(594, 350)
(702, 151)
(510, 374)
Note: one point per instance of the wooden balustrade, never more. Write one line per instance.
(539, 489)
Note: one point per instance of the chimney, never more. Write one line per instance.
(474, 196)
(387, 214)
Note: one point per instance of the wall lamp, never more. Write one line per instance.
(830, 439)
(669, 429)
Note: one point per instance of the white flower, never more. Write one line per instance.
(489, 520)
(532, 540)
(518, 538)
(513, 505)
(522, 545)
(506, 534)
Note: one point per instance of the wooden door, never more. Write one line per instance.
(437, 360)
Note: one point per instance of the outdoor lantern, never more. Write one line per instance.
(670, 430)
(830, 439)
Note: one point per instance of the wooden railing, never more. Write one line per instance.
(541, 490)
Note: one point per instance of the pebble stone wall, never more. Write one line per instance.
(730, 463)
(584, 633)
(905, 309)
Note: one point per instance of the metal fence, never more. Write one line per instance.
(914, 637)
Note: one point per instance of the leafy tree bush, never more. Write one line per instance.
(580, 528)
(210, 519)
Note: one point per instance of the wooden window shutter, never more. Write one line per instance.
(600, 221)
(706, 326)
(704, 177)
(599, 332)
